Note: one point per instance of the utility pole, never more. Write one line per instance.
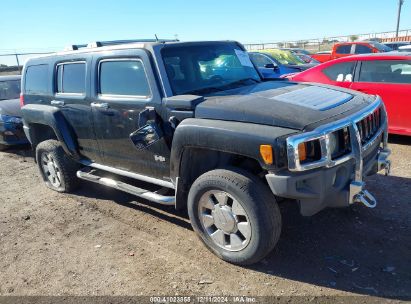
(400, 3)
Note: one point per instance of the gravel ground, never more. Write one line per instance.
(99, 241)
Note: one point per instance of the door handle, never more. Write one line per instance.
(98, 105)
(57, 103)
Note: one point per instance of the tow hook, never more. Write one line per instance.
(365, 198)
(359, 195)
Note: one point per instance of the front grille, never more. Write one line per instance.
(369, 126)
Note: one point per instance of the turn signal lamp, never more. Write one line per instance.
(266, 152)
(302, 151)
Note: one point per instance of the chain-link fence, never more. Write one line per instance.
(325, 44)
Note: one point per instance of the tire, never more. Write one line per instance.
(53, 161)
(3, 147)
(236, 190)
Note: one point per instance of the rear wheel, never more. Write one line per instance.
(57, 169)
(235, 215)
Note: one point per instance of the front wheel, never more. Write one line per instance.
(235, 215)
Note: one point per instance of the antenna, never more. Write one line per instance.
(155, 35)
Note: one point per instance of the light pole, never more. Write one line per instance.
(400, 3)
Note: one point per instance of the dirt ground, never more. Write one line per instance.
(100, 241)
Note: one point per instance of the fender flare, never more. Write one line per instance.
(237, 138)
(54, 118)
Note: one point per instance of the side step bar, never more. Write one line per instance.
(148, 195)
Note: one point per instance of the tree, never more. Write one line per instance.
(353, 37)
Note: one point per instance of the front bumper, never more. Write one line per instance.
(339, 183)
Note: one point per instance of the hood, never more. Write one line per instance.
(283, 104)
(10, 107)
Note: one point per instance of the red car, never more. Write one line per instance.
(385, 74)
(344, 49)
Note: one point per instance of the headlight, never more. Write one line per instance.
(339, 143)
(306, 153)
(309, 151)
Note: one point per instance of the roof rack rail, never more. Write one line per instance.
(95, 44)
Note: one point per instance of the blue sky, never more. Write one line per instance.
(39, 24)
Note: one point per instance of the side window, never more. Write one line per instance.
(36, 80)
(123, 77)
(259, 60)
(343, 71)
(386, 71)
(71, 78)
(343, 49)
(362, 49)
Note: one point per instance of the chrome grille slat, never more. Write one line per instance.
(369, 126)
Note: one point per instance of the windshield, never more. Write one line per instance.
(284, 57)
(202, 69)
(9, 89)
(381, 47)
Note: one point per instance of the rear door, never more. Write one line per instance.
(391, 80)
(125, 104)
(71, 78)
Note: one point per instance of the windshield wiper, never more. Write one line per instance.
(234, 84)
(227, 86)
(245, 80)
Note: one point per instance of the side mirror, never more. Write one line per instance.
(271, 66)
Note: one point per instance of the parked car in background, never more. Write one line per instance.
(307, 58)
(297, 50)
(385, 74)
(350, 48)
(303, 54)
(395, 45)
(11, 124)
(405, 48)
(273, 63)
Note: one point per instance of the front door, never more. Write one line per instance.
(127, 127)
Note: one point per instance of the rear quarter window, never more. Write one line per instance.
(36, 79)
(343, 71)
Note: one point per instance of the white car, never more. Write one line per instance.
(405, 48)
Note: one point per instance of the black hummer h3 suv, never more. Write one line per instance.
(197, 118)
